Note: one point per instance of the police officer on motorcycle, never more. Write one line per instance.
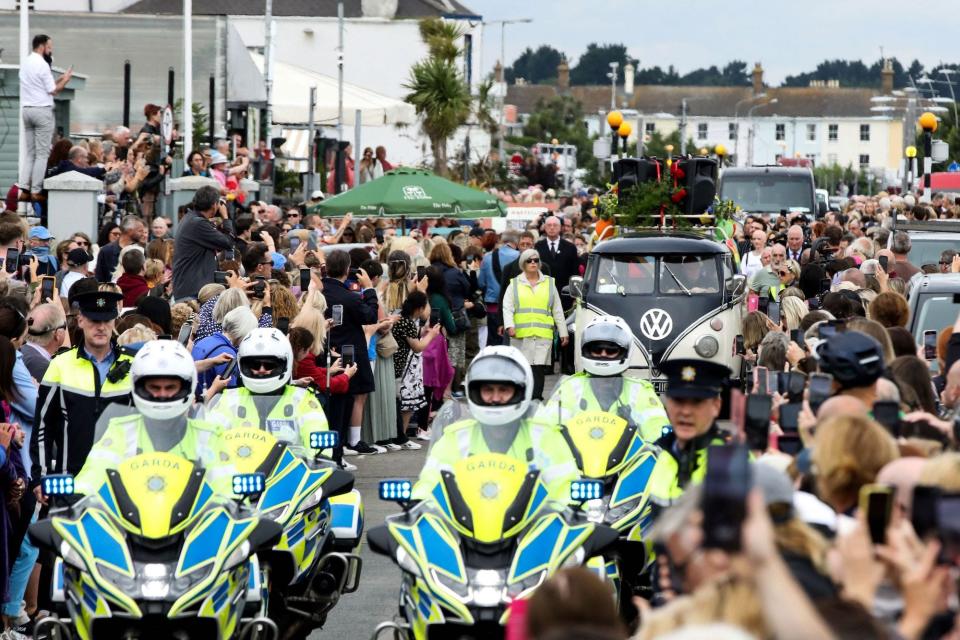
(693, 404)
(606, 349)
(267, 400)
(499, 386)
(163, 376)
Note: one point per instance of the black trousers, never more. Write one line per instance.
(338, 417)
(539, 376)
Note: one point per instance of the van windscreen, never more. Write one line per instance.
(768, 192)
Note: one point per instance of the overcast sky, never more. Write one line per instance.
(786, 36)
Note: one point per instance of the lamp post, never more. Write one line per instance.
(910, 167)
(736, 121)
(946, 72)
(613, 84)
(752, 133)
(624, 131)
(721, 151)
(669, 150)
(503, 62)
(927, 122)
(614, 120)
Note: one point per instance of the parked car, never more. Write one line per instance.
(771, 190)
(932, 303)
(929, 239)
(678, 292)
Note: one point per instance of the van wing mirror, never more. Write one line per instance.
(821, 209)
(576, 287)
(736, 285)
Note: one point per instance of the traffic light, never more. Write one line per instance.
(697, 178)
(629, 172)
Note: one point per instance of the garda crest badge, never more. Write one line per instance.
(688, 374)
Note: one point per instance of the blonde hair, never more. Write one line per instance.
(283, 301)
(227, 302)
(153, 271)
(942, 471)
(755, 326)
(876, 331)
(793, 309)
(209, 290)
(732, 600)
(849, 452)
(312, 308)
(136, 334)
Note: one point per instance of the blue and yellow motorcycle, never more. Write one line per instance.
(313, 501)
(486, 537)
(154, 553)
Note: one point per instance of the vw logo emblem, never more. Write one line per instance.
(656, 324)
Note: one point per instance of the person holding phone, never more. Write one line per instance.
(693, 405)
(237, 324)
(855, 360)
(197, 244)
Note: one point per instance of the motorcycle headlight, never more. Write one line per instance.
(240, 554)
(706, 346)
(311, 501)
(71, 557)
(407, 563)
(575, 559)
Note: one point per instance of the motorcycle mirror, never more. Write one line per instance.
(396, 490)
(248, 484)
(324, 439)
(584, 490)
(58, 485)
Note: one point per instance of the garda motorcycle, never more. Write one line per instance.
(608, 447)
(153, 553)
(321, 517)
(487, 535)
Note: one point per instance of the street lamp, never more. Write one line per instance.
(669, 150)
(503, 63)
(624, 131)
(721, 151)
(946, 72)
(613, 84)
(752, 132)
(736, 119)
(927, 122)
(614, 121)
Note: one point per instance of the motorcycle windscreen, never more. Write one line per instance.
(151, 487)
(492, 495)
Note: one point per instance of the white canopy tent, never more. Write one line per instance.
(291, 99)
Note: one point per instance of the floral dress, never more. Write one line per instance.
(408, 366)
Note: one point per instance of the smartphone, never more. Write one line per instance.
(336, 312)
(378, 234)
(347, 355)
(887, 413)
(930, 345)
(229, 254)
(304, 279)
(876, 501)
(773, 311)
(826, 330)
(789, 417)
(923, 512)
(228, 371)
(220, 277)
(421, 273)
(185, 330)
(738, 347)
(796, 383)
(47, 284)
(756, 425)
(260, 288)
(825, 285)
(821, 386)
(724, 499)
(283, 325)
(884, 261)
(956, 298)
(789, 443)
(760, 381)
(796, 335)
(948, 527)
(813, 303)
(12, 261)
(763, 304)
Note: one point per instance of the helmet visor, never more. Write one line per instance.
(261, 366)
(162, 388)
(495, 393)
(603, 350)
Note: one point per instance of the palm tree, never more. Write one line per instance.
(438, 90)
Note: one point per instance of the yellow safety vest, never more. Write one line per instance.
(532, 309)
(775, 292)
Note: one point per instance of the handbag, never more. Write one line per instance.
(479, 310)
(386, 345)
(461, 320)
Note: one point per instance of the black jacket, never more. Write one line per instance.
(562, 265)
(358, 310)
(195, 254)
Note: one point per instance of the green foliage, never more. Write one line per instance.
(288, 181)
(594, 65)
(658, 143)
(947, 131)
(561, 117)
(535, 67)
(437, 89)
(201, 122)
(854, 73)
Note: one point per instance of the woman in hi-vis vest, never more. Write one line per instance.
(531, 314)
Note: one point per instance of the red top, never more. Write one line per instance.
(133, 287)
(307, 368)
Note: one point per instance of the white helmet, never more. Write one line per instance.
(501, 365)
(268, 347)
(613, 334)
(163, 359)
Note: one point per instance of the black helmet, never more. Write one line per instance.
(854, 359)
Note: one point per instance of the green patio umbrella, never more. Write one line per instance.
(411, 193)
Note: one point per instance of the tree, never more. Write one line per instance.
(536, 67)
(594, 65)
(437, 88)
(200, 121)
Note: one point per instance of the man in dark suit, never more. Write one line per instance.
(358, 309)
(559, 255)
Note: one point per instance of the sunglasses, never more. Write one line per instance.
(533, 261)
(784, 273)
(267, 262)
(84, 243)
(255, 364)
(604, 351)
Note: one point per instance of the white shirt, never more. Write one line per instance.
(36, 82)
(68, 279)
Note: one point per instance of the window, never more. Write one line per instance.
(833, 132)
(777, 158)
(702, 131)
(831, 159)
(732, 131)
(649, 128)
(864, 160)
(812, 157)
(781, 132)
(624, 275)
(864, 133)
(688, 274)
(811, 133)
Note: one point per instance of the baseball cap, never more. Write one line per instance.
(317, 195)
(41, 233)
(217, 158)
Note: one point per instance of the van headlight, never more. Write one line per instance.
(706, 346)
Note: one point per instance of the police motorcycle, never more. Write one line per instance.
(610, 422)
(307, 494)
(477, 533)
(146, 547)
(154, 552)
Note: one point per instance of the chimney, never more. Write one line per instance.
(886, 77)
(498, 72)
(757, 79)
(628, 71)
(563, 76)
